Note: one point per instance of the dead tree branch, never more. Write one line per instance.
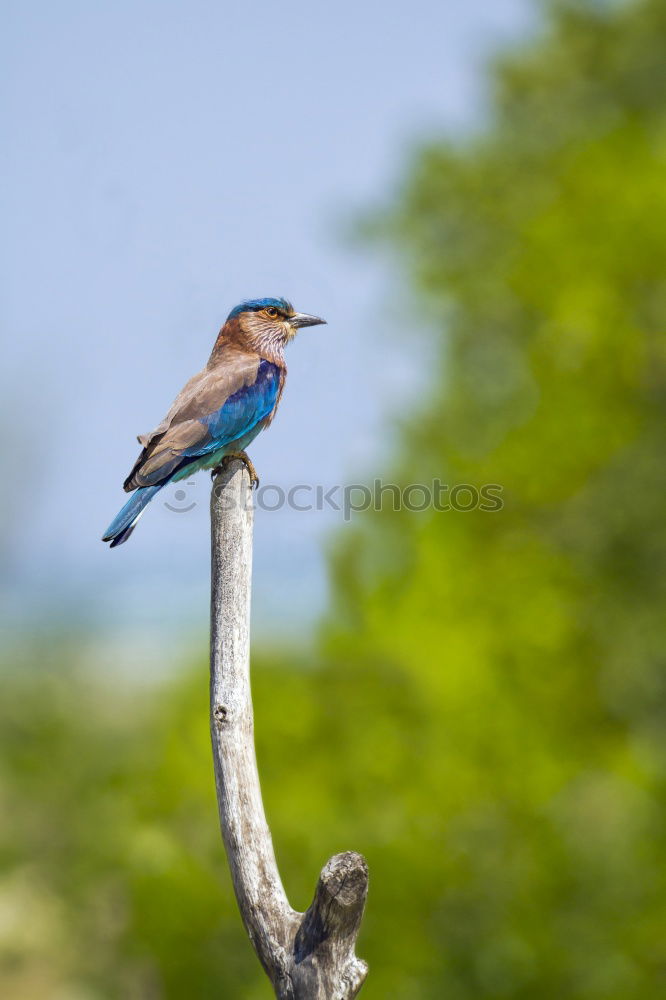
(306, 956)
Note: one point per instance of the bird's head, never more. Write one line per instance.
(269, 324)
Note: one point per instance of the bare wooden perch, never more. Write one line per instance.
(307, 956)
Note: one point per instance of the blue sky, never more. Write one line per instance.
(162, 162)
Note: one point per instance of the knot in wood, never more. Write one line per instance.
(220, 713)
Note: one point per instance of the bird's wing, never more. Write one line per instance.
(215, 408)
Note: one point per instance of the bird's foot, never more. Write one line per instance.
(245, 459)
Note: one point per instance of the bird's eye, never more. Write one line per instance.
(271, 311)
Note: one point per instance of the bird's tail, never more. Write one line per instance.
(125, 520)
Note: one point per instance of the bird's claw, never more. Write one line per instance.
(247, 462)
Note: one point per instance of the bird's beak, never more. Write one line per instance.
(302, 319)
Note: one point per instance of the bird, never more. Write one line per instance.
(220, 410)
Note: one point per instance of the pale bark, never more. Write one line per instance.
(306, 956)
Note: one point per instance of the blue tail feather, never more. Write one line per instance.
(124, 522)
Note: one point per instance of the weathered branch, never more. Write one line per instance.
(306, 956)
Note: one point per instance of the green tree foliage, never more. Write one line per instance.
(484, 717)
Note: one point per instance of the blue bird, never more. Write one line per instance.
(220, 410)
